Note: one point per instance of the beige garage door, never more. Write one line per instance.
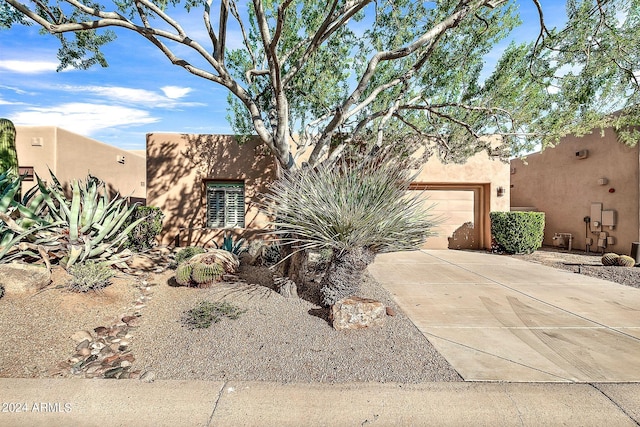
(457, 210)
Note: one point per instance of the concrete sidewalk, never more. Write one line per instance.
(74, 402)
(496, 318)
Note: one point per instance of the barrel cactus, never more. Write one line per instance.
(626, 261)
(610, 258)
(183, 274)
(206, 268)
(206, 274)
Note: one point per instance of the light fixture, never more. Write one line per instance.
(500, 191)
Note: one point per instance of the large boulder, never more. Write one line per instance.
(357, 313)
(20, 278)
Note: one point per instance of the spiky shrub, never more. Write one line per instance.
(186, 253)
(355, 209)
(143, 236)
(609, 259)
(517, 232)
(625, 261)
(90, 276)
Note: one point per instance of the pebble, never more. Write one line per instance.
(148, 377)
(80, 336)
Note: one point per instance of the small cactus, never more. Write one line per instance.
(626, 261)
(183, 274)
(205, 274)
(610, 258)
(8, 153)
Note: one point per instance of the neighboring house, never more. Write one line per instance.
(72, 156)
(587, 187)
(205, 183)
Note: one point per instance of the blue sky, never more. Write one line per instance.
(140, 92)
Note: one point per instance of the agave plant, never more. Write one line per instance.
(91, 225)
(355, 209)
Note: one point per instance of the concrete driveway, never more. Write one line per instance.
(495, 318)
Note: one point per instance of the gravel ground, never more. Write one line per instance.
(280, 339)
(583, 263)
(276, 339)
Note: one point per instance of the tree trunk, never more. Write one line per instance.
(344, 274)
(294, 268)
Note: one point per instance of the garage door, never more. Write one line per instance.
(458, 212)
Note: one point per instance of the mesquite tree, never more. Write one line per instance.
(358, 72)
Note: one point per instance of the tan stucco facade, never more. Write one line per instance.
(179, 165)
(481, 183)
(572, 180)
(72, 156)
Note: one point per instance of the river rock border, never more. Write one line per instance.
(105, 352)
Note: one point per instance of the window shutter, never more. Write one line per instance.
(225, 204)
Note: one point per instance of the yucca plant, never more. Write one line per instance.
(355, 209)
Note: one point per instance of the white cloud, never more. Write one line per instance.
(83, 118)
(28, 67)
(128, 96)
(175, 92)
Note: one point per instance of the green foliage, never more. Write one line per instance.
(206, 313)
(228, 245)
(185, 254)
(50, 225)
(143, 236)
(8, 153)
(609, 259)
(625, 261)
(517, 232)
(90, 276)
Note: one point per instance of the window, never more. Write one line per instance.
(225, 204)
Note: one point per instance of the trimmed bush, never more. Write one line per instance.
(206, 313)
(517, 232)
(143, 236)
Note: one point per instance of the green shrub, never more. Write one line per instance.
(90, 276)
(517, 232)
(208, 312)
(143, 236)
(186, 253)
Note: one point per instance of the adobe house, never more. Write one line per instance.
(587, 187)
(72, 156)
(205, 183)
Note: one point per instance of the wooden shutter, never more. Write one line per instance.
(225, 204)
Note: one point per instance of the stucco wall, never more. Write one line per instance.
(556, 182)
(72, 156)
(481, 173)
(178, 164)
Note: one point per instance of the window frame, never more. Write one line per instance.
(232, 205)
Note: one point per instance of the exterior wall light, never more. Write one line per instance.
(500, 191)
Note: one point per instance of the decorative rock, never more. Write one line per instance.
(131, 320)
(101, 331)
(390, 311)
(83, 344)
(357, 313)
(86, 351)
(20, 278)
(148, 377)
(81, 336)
